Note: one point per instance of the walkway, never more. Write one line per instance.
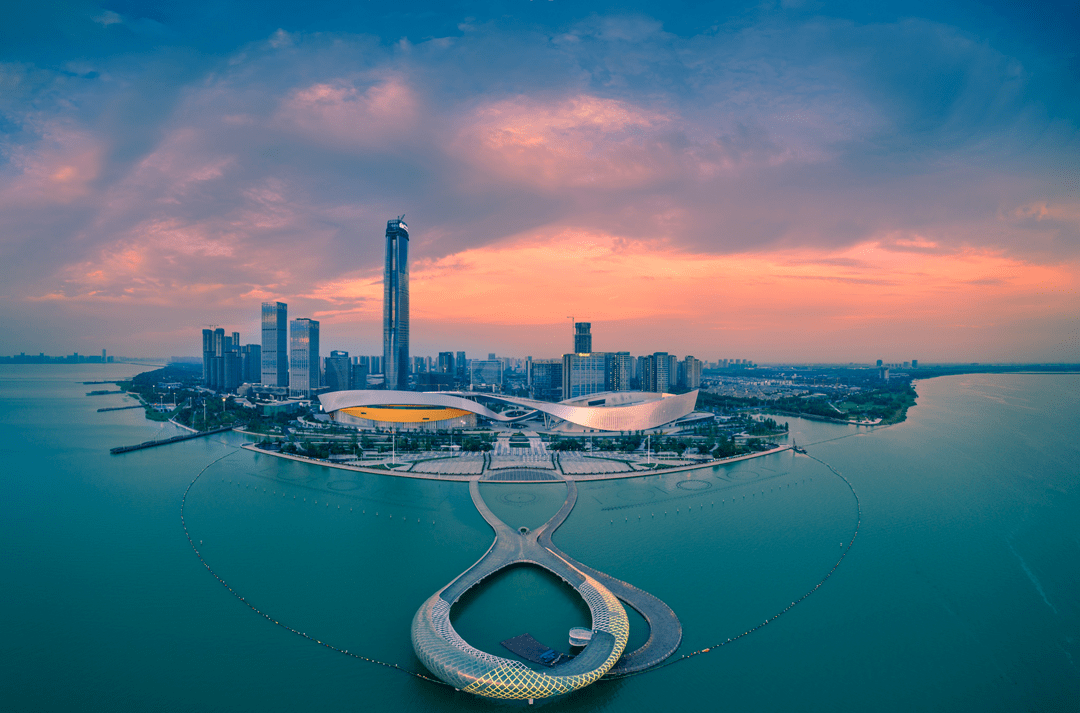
(453, 660)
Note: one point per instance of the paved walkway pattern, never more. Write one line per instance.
(453, 660)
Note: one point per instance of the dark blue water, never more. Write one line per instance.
(961, 592)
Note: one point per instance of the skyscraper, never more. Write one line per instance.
(619, 371)
(461, 364)
(251, 363)
(396, 305)
(304, 357)
(208, 357)
(275, 344)
(446, 363)
(584, 374)
(655, 375)
(222, 365)
(338, 371)
(690, 373)
(582, 337)
(358, 375)
(546, 379)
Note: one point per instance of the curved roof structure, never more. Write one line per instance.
(613, 411)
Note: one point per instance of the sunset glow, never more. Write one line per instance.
(680, 191)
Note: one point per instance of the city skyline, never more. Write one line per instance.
(810, 184)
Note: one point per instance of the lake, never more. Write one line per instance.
(961, 591)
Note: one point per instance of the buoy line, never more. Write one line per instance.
(684, 657)
(785, 610)
(264, 615)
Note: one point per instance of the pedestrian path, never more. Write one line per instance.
(452, 659)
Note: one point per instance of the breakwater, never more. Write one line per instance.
(164, 441)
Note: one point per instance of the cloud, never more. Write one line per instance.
(607, 163)
(372, 117)
(107, 17)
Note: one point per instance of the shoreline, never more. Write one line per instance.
(464, 478)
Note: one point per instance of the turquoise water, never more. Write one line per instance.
(961, 592)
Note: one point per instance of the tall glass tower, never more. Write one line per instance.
(582, 338)
(396, 305)
(304, 357)
(275, 344)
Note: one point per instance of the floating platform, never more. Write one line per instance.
(530, 649)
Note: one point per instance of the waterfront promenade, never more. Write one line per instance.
(465, 467)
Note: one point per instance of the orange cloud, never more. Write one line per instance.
(58, 169)
(580, 141)
(651, 296)
(343, 113)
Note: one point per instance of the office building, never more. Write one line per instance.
(462, 366)
(446, 363)
(396, 305)
(546, 379)
(251, 363)
(338, 371)
(358, 373)
(914, 363)
(207, 356)
(304, 369)
(275, 344)
(584, 374)
(620, 371)
(582, 337)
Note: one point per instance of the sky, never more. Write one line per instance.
(794, 181)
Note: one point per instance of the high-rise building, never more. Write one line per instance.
(690, 373)
(654, 372)
(584, 374)
(303, 357)
(582, 338)
(914, 363)
(275, 344)
(338, 371)
(251, 363)
(396, 305)
(462, 365)
(446, 363)
(231, 363)
(879, 363)
(620, 370)
(359, 372)
(222, 362)
(207, 357)
(546, 379)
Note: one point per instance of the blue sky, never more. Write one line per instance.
(864, 179)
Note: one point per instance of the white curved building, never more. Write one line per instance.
(610, 411)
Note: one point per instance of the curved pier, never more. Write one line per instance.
(665, 631)
(449, 657)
